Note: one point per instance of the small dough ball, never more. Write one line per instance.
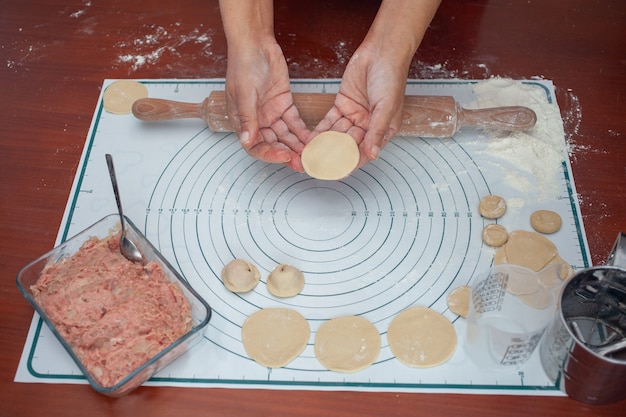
(545, 221)
(495, 235)
(285, 281)
(330, 156)
(492, 207)
(420, 337)
(240, 275)
(347, 344)
(459, 300)
(120, 95)
(273, 337)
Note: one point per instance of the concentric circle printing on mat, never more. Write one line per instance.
(394, 234)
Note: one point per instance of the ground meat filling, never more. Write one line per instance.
(115, 314)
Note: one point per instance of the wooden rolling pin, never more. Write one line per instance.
(424, 116)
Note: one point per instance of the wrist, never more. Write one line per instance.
(399, 27)
(247, 21)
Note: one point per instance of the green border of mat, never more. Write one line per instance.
(305, 384)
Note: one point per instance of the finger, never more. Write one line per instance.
(268, 135)
(378, 134)
(270, 149)
(326, 123)
(295, 163)
(295, 124)
(275, 153)
(342, 125)
(284, 135)
(243, 112)
(358, 133)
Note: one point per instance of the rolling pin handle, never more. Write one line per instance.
(508, 118)
(156, 109)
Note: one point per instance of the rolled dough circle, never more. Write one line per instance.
(273, 337)
(459, 300)
(494, 235)
(347, 344)
(545, 221)
(240, 275)
(529, 249)
(285, 281)
(492, 207)
(119, 96)
(330, 156)
(420, 337)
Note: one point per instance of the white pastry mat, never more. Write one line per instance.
(402, 231)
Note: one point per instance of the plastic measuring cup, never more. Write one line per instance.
(510, 308)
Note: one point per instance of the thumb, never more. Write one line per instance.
(376, 137)
(245, 116)
(384, 124)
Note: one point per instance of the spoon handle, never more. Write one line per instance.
(116, 192)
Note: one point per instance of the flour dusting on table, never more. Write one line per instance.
(153, 41)
(539, 152)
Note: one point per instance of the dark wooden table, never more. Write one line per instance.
(54, 56)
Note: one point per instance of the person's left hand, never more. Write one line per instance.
(369, 103)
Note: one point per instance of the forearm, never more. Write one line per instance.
(399, 26)
(245, 20)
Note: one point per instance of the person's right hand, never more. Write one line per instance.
(370, 100)
(259, 101)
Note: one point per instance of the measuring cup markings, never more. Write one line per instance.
(510, 342)
(490, 293)
(505, 324)
(521, 348)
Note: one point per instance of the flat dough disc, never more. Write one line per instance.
(120, 95)
(545, 221)
(330, 156)
(529, 249)
(492, 207)
(499, 258)
(494, 235)
(420, 337)
(347, 344)
(273, 337)
(459, 300)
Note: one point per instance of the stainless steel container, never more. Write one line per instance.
(584, 350)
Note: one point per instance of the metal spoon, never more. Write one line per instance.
(127, 247)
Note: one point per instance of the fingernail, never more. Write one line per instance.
(244, 138)
(284, 156)
(375, 151)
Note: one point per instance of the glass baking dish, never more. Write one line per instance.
(200, 309)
